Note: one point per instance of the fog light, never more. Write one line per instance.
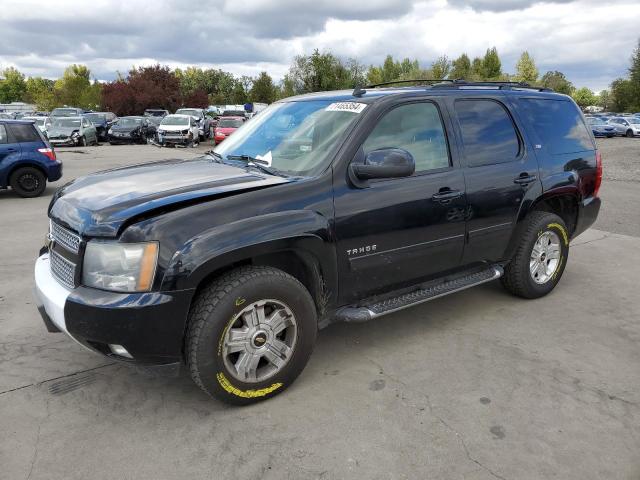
(119, 350)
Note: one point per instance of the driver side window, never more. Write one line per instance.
(416, 128)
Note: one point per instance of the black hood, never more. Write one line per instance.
(101, 203)
(125, 129)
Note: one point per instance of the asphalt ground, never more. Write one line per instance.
(477, 385)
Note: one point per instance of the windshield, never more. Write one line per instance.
(66, 122)
(96, 117)
(175, 120)
(230, 123)
(188, 111)
(155, 113)
(61, 112)
(129, 122)
(296, 138)
(595, 121)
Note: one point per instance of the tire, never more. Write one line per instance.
(83, 141)
(28, 182)
(216, 313)
(518, 277)
(629, 133)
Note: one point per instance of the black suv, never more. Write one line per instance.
(336, 206)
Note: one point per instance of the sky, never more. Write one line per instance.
(589, 40)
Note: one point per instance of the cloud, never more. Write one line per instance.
(590, 41)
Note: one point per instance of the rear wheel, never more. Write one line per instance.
(250, 334)
(28, 182)
(540, 256)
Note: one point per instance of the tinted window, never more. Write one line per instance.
(417, 128)
(24, 133)
(3, 135)
(558, 124)
(488, 133)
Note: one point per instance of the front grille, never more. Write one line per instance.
(62, 269)
(65, 238)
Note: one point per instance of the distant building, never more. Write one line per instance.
(17, 107)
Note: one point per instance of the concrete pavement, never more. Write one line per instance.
(477, 385)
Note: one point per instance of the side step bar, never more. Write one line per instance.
(379, 308)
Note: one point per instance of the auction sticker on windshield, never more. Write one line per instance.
(353, 107)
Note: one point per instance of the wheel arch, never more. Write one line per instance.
(25, 163)
(562, 202)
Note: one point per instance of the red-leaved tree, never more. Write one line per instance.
(145, 87)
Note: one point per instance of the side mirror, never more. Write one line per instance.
(385, 163)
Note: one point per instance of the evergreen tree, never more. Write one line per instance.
(526, 70)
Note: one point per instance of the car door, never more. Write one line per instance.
(92, 132)
(500, 173)
(399, 231)
(9, 153)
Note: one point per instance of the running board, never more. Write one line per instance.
(379, 308)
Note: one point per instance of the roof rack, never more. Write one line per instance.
(457, 83)
(495, 84)
(415, 80)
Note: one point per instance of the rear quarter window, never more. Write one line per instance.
(488, 133)
(558, 124)
(24, 133)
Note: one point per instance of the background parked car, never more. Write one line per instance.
(178, 130)
(131, 130)
(102, 121)
(204, 122)
(27, 160)
(226, 126)
(625, 126)
(601, 128)
(71, 131)
(156, 112)
(66, 112)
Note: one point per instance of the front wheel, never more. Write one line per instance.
(250, 334)
(629, 133)
(540, 256)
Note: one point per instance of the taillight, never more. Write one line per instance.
(49, 153)
(598, 181)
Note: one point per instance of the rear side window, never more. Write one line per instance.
(3, 135)
(416, 128)
(488, 133)
(558, 124)
(24, 133)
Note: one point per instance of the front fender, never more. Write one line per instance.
(304, 231)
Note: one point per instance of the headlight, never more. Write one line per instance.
(75, 134)
(110, 131)
(121, 267)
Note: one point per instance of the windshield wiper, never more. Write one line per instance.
(256, 163)
(216, 156)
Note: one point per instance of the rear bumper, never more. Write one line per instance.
(150, 326)
(587, 214)
(54, 171)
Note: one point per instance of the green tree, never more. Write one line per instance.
(441, 67)
(263, 90)
(584, 97)
(477, 69)
(624, 96)
(556, 81)
(39, 91)
(526, 70)
(461, 67)
(75, 88)
(604, 99)
(319, 72)
(13, 87)
(491, 65)
(286, 88)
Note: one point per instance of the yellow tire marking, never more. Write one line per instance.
(565, 235)
(226, 385)
(240, 301)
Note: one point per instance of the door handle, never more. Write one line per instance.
(525, 179)
(11, 150)
(445, 195)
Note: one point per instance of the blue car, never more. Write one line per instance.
(27, 160)
(601, 128)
